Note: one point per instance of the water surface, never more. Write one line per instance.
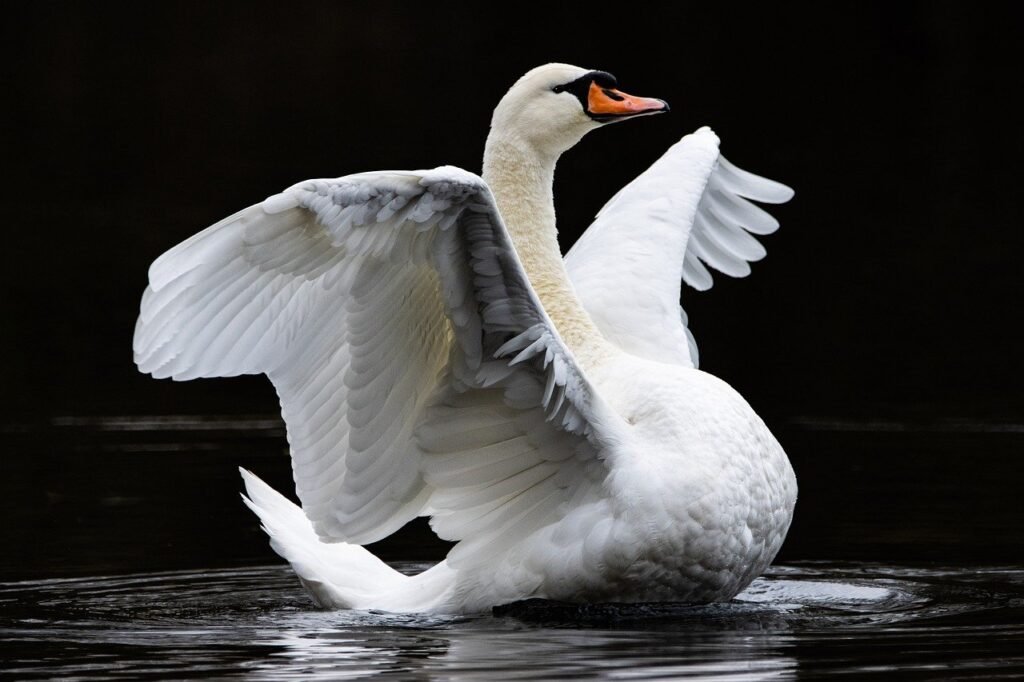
(796, 622)
(904, 560)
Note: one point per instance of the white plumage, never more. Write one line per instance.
(435, 356)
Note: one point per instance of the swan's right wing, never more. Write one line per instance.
(417, 370)
(689, 209)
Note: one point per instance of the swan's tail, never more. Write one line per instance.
(337, 575)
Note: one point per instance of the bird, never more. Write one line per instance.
(435, 355)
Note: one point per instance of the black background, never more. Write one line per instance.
(893, 289)
(894, 280)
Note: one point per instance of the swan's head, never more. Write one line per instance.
(555, 105)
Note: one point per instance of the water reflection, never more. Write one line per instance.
(258, 622)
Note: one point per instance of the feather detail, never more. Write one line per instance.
(353, 295)
(688, 211)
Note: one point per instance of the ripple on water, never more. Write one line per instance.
(815, 618)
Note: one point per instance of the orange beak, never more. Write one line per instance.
(606, 104)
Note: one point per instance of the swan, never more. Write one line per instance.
(435, 355)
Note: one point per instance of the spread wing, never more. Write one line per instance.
(689, 210)
(417, 371)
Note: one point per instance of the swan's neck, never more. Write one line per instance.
(522, 180)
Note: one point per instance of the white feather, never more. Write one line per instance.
(685, 211)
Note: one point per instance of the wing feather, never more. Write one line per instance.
(688, 211)
(417, 371)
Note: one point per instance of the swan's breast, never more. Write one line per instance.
(702, 477)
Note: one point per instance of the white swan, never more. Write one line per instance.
(435, 356)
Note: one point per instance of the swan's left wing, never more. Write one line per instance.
(690, 209)
(417, 369)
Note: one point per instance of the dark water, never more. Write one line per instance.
(904, 561)
(799, 621)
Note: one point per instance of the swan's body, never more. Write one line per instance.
(435, 355)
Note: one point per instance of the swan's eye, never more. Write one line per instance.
(559, 88)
